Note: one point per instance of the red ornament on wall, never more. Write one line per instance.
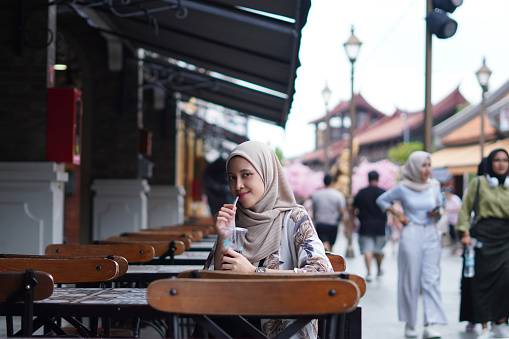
(63, 127)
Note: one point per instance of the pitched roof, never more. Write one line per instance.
(393, 127)
(344, 107)
(470, 133)
(446, 127)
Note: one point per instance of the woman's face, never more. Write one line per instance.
(244, 181)
(426, 170)
(500, 163)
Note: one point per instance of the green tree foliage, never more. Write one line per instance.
(400, 153)
(279, 154)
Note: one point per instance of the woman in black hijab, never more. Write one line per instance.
(490, 285)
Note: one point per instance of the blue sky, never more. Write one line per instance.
(389, 72)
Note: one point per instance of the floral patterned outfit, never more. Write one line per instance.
(302, 251)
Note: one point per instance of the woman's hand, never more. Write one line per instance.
(435, 213)
(466, 240)
(224, 218)
(402, 218)
(236, 262)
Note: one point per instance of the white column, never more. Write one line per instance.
(165, 205)
(120, 205)
(31, 206)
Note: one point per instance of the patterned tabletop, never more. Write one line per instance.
(192, 255)
(202, 245)
(97, 296)
(170, 270)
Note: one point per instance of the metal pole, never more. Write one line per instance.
(327, 140)
(428, 114)
(352, 129)
(481, 141)
(349, 251)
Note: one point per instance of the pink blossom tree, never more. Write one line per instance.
(303, 180)
(388, 172)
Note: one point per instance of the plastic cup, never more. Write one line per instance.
(234, 238)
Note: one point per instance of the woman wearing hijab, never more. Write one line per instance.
(419, 245)
(489, 287)
(281, 237)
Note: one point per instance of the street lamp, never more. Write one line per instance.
(483, 76)
(326, 96)
(352, 47)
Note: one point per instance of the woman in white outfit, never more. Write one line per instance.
(420, 246)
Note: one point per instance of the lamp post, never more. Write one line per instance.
(326, 92)
(352, 47)
(483, 76)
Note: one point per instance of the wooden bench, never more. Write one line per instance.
(25, 286)
(300, 299)
(133, 253)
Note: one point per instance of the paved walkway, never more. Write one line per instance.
(379, 304)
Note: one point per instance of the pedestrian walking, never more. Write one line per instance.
(419, 245)
(329, 208)
(466, 307)
(452, 205)
(373, 224)
(489, 287)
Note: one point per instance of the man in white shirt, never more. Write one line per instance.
(329, 207)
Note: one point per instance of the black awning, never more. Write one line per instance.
(252, 41)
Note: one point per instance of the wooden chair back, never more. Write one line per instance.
(158, 237)
(216, 274)
(66, 270)
(206, 230)
(194, 235)
(227, 297)
(123, 265)
(14, 281)
(337, 261)
(160, 247)
(133, 253)
(25, 286)
(195, 220)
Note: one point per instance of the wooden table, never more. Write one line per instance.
(191, 258)
(149, 273)
(72, 303)
(204, 246)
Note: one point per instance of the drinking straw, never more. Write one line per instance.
(234, 227)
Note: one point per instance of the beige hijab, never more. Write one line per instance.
(264, 220)
(412, 172)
